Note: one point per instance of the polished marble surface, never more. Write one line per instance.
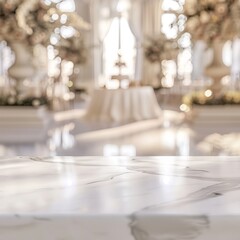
(70, 134)
(130, 198)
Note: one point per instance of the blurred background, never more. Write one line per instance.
(119, 77)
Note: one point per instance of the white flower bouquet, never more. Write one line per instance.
(72, 49)
(34, 21)
(160, 48)
(27, 20)
(211, 19)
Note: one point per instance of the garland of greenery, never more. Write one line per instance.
(204, 98)
(30, 102)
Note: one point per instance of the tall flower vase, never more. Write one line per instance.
(217, 69)
(23, 66)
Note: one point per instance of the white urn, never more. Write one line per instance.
(217, 69)
(23, 67)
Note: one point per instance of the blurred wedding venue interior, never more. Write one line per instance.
(119, 78)
(119, 119)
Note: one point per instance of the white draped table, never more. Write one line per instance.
(120, 198)
(123, 105)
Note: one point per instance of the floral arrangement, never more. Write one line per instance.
(30, 101)
(207, 98)
(211, 19)
(38, 22)
(72, 49)
(27, 20)
(160, 48)
(34, 21)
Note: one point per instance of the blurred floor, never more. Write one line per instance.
(70, 135)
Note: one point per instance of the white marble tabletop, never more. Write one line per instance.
(122, 198)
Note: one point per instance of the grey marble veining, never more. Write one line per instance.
(143, 198)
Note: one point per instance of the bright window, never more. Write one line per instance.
(111, 48)
(172, 25)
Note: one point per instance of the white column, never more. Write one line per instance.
(86, 76)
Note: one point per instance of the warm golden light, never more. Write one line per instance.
(208, 93)
(184, 108)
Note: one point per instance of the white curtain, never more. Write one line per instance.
(99, 13)
(151, 20)
(144, 20)
(105, 11)
(151, 25)
(135, 16)
(102, 14)
(235, 68)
